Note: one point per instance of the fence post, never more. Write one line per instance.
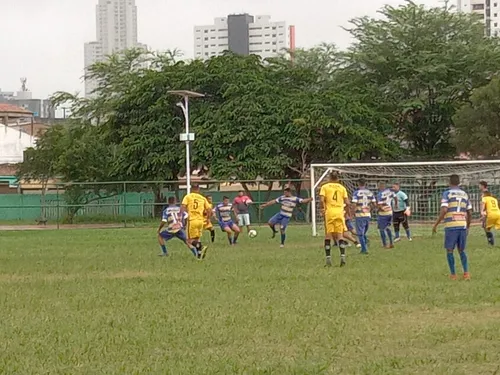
(125, 202)
(57, 198)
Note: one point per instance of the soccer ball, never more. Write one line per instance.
(252, 233)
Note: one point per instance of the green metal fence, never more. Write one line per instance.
(132, 203)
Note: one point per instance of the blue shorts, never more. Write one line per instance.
(280, 219)
(348, 224)
(384, 222)
(226, 224)
(362, 225)
(455, 239)
(167, 236)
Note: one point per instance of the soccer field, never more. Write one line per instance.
(102, 302)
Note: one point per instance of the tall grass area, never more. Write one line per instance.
(102, 302)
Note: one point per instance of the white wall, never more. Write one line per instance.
(12, 144)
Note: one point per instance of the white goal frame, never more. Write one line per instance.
(317, 180)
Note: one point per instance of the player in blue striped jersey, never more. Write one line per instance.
(288, 203)
(224, 214)
(171, 217)
(364, 201)
(384, 218)
(456, 211)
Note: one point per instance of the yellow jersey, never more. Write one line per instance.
(196, 206)
(334, 195)
(491, 206)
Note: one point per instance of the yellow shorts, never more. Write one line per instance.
(195, 228)
(493, 221)
(208, 225)
(335, 224)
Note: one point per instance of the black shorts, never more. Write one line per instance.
(398, 217)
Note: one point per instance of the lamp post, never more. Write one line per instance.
(186, 137)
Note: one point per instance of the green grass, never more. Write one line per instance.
(102, 302)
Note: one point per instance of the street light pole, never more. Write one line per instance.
(187, 137)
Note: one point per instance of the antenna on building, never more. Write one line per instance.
(23, 84)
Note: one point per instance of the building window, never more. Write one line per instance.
(212, 30)
(267, 27)
(274, 35)
(477, 6)
(213, 37)
(206, 31)
(206, 38)
(212, 45)
(206, 45)
(268, 42)
(495, 24)
(495, 15)
(274, 27)
(206, 53)
(281, 34)
(221, 30)
(495, 5)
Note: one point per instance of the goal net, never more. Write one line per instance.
(423, 182)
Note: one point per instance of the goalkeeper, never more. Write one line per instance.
(400, 212)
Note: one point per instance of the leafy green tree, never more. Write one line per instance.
(478, 122)
(420, 64)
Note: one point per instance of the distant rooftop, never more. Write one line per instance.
(9, 108)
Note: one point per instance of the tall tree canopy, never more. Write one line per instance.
(422, 65)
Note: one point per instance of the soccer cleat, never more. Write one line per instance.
(274, 234)
(391, 246)
(397, 239)
(282, 246)
(328, 262)
(203, 252)
(358, 246)
(410, 239)
(467, 276)
(363, 252)
(342, 262)
(453, 277)
(163, 255)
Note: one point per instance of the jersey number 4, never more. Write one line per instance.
(335, 196)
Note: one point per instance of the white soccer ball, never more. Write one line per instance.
(252, 233)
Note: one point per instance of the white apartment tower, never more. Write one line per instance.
(489, 10)
(116, 30)
(243, 34)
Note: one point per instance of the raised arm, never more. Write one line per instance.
(270, 203)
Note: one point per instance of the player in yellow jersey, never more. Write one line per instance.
(208, 224)
(334, 203)
(490, 213)
(198, 210)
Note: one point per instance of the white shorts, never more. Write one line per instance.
(243, 220)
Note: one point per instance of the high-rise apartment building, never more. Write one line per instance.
(489, 10)
(242, 34)
(116, 30)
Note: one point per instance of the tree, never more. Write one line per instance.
(478, 122)
(41, 162)
(420, 64)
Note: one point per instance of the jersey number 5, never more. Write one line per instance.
(195, 204)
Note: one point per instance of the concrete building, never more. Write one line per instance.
(489, 10)
(116, 30)
(243, 34)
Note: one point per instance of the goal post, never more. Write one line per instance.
(424, 182)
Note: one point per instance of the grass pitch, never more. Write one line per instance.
(102, 302)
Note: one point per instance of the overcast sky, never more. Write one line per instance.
(43, 39)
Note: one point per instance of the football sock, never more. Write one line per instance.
(408, 233)
(451, 262)
(235, 238)
(194, 251)
(490, 237)
(230, 239)
(389, 235)
(342, 246)
(335, 243)
(396, 234)
(463, 259)
(212, 235)
(383, 236)
(362, 241)
(283, 238)
(273, 228)
(163, 249)
(328, 248)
